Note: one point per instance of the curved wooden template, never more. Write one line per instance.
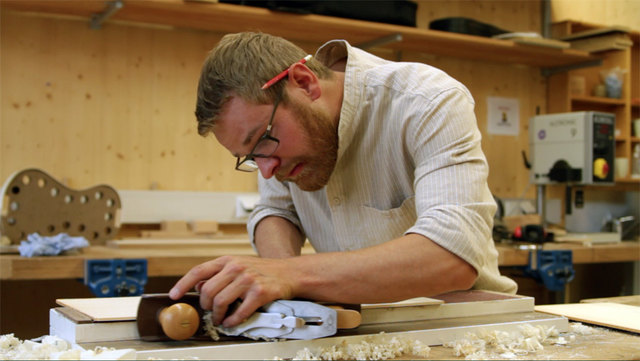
(33, 201)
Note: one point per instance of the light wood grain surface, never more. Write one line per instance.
(614, 315)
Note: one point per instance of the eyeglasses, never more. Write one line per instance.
(265, 147)
(267, 144)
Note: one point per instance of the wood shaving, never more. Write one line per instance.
(507, 345)
(580, 329)
(209, 328)
(374, 347)
(214, 331)
(55, 348)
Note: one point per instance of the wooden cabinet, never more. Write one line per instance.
(562, 96)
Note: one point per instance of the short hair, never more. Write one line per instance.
(238, 66)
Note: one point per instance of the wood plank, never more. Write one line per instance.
(452, 305)
(625, 251)
(104, 308)
(614, 315)
(240, 241)
(625, 300)
(61, 325)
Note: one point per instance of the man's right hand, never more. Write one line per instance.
(255, 281)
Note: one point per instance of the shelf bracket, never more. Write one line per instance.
(98, 19)
(561, 69)
(393, 38)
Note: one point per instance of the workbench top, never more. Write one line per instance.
(176, 260)
(602, 344)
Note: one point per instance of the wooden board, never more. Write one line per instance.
(194, 242)
(93, 319)
(614, 315)
(625, 300)
(449, 305)
(590, 238)
(68, 325)
(105, 308)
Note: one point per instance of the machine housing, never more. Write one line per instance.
(575, 148)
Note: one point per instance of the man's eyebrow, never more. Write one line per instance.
(248, 139)
(251, 134)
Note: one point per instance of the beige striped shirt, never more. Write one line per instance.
(409, 161)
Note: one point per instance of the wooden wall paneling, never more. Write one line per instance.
(108, 106)
(133, 94)
(506, 14)
(619, 12)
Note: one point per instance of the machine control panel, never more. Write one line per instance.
(575, 148)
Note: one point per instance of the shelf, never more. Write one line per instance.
(628, 180)
(226, 18)
(597, 100)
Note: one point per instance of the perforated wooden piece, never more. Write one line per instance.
(33, 201)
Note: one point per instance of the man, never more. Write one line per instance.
(378, 164)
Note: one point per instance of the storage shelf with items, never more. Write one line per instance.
(584, 89)
(223, 18)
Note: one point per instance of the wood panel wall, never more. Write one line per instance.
(116, 105)
(611, 12)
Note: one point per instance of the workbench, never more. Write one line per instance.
(176, 261)
(35, 283)
(603, 344)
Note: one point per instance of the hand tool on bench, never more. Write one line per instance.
(159, 317)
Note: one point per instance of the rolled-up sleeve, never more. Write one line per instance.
(453, 204)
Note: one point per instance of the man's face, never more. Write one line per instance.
(308, 138)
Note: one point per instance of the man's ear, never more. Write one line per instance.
(303, 78)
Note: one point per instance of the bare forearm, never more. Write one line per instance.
(276, 237)
(410, 266)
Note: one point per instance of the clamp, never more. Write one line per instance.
(554, 268)
(115, 277)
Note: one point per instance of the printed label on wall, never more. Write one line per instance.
(503, 116)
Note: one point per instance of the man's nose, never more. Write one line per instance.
(268, 166)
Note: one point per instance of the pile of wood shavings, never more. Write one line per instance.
(374, 347)
(55, 348)
(509, 345)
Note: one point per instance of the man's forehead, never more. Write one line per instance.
(239, 123)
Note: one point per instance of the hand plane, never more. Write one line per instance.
(161, 318)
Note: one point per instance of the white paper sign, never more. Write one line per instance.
(503, 116)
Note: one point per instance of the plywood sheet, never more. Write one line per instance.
(619, 316)
(104, 309)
